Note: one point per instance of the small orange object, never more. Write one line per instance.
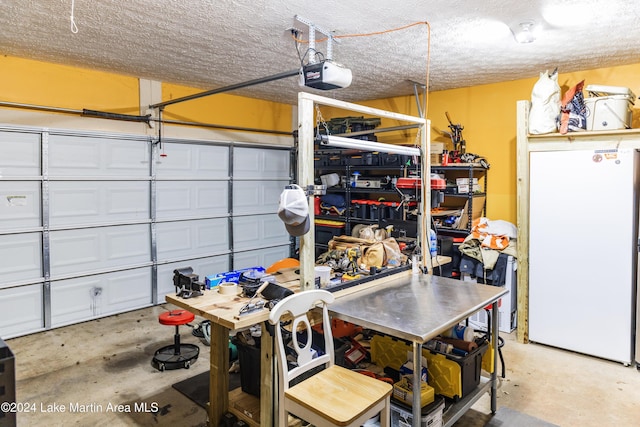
(283, 263)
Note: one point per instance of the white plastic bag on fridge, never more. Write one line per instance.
(545, 104)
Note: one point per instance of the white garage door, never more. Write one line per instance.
(92, 224)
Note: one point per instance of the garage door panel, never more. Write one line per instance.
(257, 197)
(21, 257)
(89, 249)
(258, 230)
(188, 199)
(194, 161)
(84, 298)
(128, 289)
(188, 239)
(95, 202)
(97, 157)
(274, 229)
(21, 310)
(203, 267)
(256, 163)
(103, 220)
(20, 204)
(263, 257)
(20, 154)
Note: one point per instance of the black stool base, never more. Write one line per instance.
(166, 358)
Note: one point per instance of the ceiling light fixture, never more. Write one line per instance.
(525, 32)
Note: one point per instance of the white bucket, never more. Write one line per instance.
(609, 112)
(324, 273)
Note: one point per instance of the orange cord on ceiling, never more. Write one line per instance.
(376, 33)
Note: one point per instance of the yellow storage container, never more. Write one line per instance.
(403, 391)
(386, 351)
(487, 359)
(444, 375)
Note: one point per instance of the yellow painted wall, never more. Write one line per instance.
(488, 114)
(226, 109)
(52, 85)
(39, 83)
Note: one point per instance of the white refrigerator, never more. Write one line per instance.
(583, 245)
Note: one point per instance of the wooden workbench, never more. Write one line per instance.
(223, 312)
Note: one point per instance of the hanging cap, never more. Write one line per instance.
(294, 210)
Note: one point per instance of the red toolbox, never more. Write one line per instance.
(409, 183)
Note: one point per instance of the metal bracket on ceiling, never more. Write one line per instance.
(312, 38)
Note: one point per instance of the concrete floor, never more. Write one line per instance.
(95, 366)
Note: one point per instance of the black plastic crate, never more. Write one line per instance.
(376, 210)
(389, 159)
(324, 233)
(7, 383)
(360, 208)
(390, 210)
(320, 160)
(470, 367)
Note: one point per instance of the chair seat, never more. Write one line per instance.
(176, 317)
(339, 394)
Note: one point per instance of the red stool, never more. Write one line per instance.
(177, 355)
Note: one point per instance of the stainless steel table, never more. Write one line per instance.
(417, 308)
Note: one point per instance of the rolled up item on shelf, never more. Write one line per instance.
(467, 346)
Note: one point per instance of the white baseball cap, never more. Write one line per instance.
(294, 210)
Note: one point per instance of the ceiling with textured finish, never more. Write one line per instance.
(209, 44)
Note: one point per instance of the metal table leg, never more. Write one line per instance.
(494, 343)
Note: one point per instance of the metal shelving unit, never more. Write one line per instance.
(389, 192)
(469, 171)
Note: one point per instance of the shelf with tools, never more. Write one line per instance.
(362, 189)
(459, 196)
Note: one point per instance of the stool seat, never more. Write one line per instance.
(176, 317)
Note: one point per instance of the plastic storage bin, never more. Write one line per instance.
(327, 229)
(392, 210)
(431, 415)
(360, 208)
(455, 376)
(375, 208)
(609, 107)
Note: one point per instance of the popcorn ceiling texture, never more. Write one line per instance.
(214, 43)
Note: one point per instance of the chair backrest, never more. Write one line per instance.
(297, 306)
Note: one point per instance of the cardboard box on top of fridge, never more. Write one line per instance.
(609, 107)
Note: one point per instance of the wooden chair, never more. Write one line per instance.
(333, 396)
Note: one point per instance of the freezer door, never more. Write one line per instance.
(582, 251)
